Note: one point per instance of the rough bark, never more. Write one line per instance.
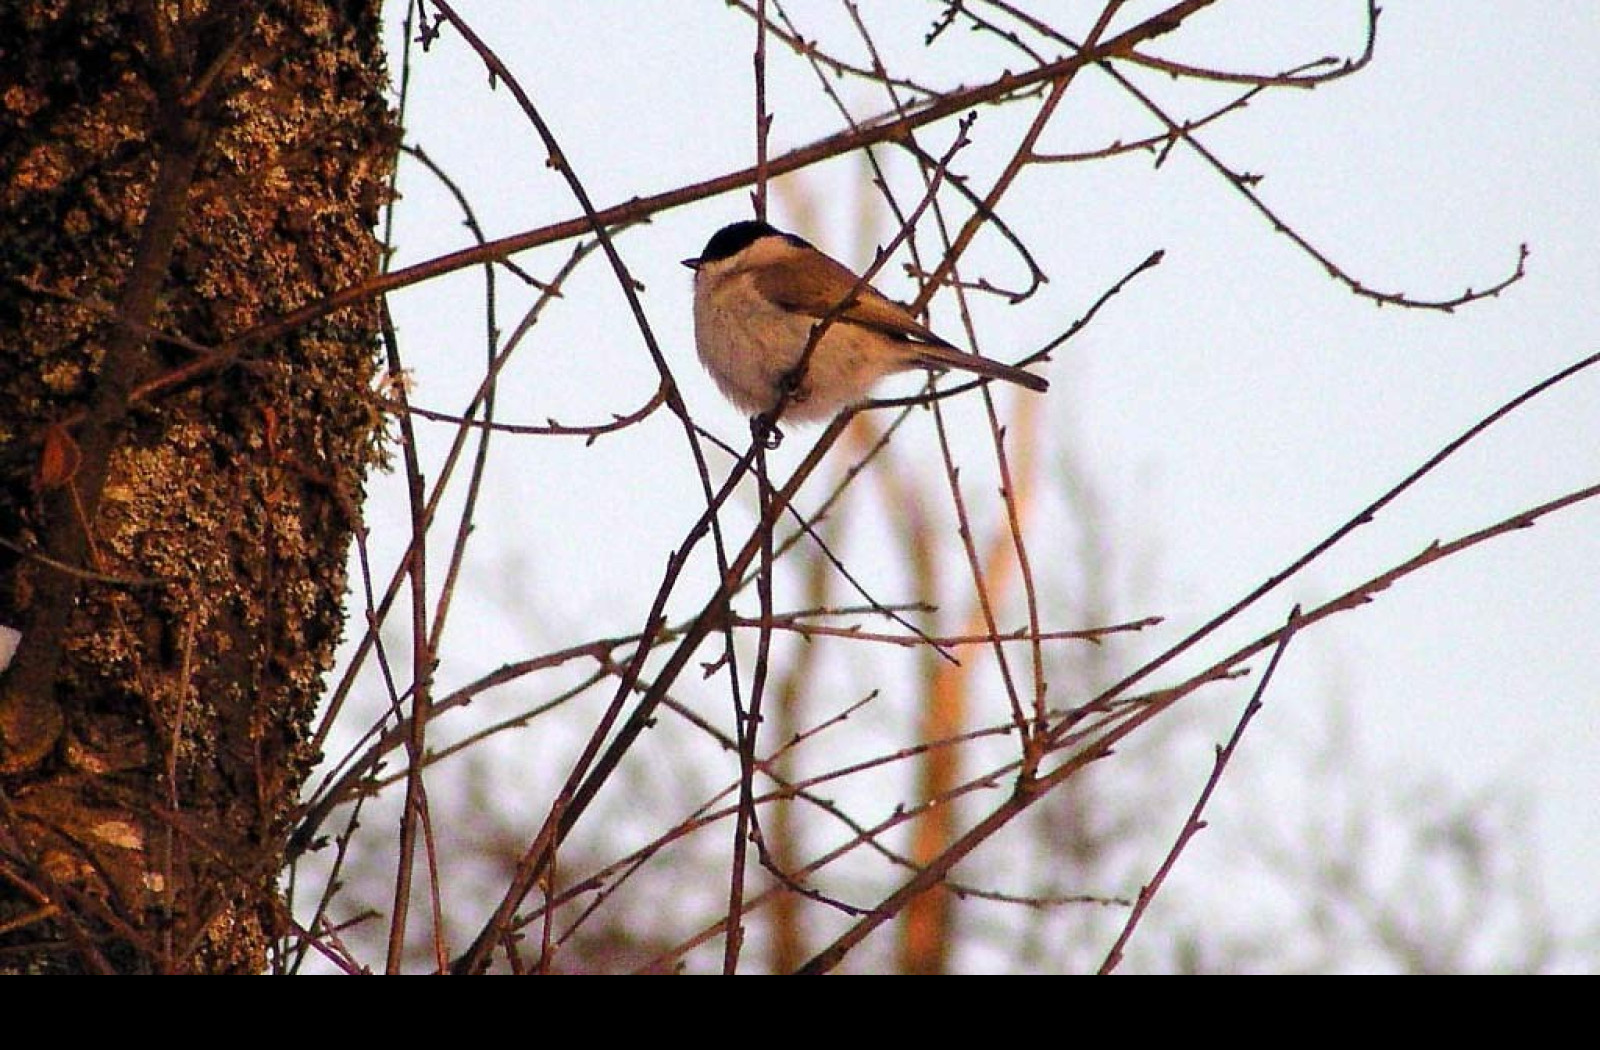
(173, 553)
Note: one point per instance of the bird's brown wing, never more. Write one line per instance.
(815, 286)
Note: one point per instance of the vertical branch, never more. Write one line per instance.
(1016, 511)
(763, 118)
(748, 726)
(416, 560)
(747, 722)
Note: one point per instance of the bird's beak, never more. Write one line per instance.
(693, 264)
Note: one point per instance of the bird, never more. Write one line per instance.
(759, 292)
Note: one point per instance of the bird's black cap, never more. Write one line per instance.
(735, 238)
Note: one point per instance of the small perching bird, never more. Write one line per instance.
(759, 292)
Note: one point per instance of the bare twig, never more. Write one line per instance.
(1193, 825)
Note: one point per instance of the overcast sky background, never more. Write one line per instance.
(1232, 408)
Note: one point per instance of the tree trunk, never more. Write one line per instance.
(175, 505)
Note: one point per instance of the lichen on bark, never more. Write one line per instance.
(170, 177)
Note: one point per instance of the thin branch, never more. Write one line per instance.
(1193, 825)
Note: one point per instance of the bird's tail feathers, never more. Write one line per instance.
(935, 356)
